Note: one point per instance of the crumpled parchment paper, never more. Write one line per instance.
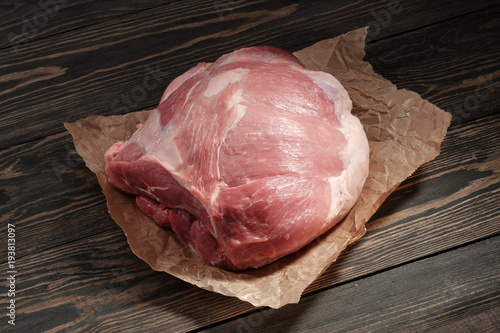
(404, 131)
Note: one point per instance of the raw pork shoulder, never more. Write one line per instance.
(246, 159)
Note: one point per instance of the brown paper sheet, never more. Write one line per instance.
(404, 132)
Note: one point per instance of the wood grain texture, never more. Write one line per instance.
(97, 284)
(47, 192)
(90, 64)
(454, 292)
(456, 69)
(94, 283)
(27, 21)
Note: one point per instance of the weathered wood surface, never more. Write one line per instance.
(436, 237)
(26, 21)
(453, 292)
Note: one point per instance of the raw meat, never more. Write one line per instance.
(247, 159)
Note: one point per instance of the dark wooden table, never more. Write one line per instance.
(430, 260)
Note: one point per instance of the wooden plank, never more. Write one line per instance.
(96, 283)
(48, 193)
(458, 69)
(27, 21)
(85, 71)
(456, 291)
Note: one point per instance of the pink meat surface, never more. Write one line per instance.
(247, 159)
